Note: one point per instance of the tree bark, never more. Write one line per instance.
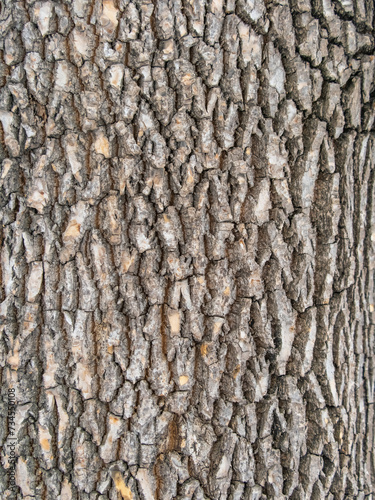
(187, 249)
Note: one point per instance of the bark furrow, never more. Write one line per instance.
(187, 197)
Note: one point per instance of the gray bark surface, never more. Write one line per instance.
(187, 249)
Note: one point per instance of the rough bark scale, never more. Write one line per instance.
(188, 231)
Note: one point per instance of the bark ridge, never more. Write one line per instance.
(187, 249)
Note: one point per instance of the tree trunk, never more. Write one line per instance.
(187, 252)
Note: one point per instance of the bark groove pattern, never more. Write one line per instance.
(187, 248)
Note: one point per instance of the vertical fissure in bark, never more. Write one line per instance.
(187, 249)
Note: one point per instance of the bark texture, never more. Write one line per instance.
(187, 252)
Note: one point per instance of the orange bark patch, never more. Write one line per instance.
(102, 146)
(73, 230)
(121, 486)
(174, 322)
(187, 79)
(45, 444)
(110, 11)
(204, 348)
